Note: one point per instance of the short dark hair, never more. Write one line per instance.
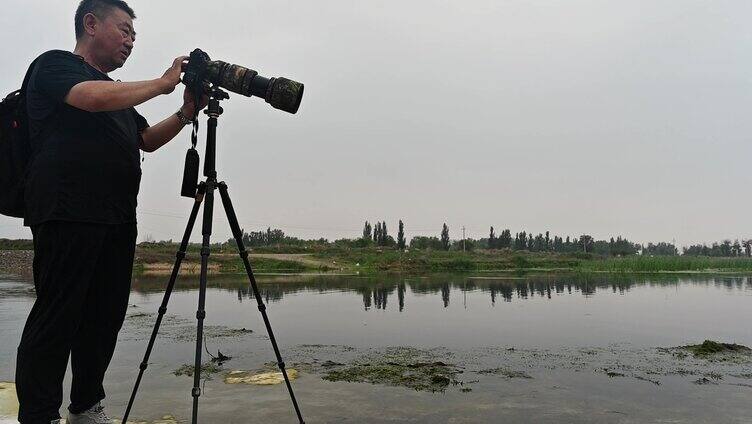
(99, 8)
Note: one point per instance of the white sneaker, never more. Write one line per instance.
(95, 415)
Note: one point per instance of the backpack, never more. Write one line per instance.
(15, 149)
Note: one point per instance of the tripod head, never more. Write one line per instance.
(216, 93)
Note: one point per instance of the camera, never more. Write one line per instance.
(281, 93)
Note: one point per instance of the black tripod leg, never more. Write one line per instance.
(201, 312)
(166, 299)
(237, 234)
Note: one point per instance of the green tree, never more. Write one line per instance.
(401, 236)
(665, 249)
(492, 239)
(726, 248)
(539, 243)
(423, 242)
(586, 243)
(521, 241)
(367, 230)
(736, 249)
(505, 239)
(445, 244)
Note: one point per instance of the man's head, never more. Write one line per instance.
(105, 27)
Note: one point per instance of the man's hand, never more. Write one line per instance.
(171, 77)
(190, 108)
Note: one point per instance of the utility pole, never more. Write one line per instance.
(463, 238)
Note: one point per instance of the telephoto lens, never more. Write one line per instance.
(281, 93)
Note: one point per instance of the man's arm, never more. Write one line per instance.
(105, 96)
(158, 135)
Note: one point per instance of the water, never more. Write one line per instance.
(564, 331)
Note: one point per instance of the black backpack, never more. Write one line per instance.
(15, 149)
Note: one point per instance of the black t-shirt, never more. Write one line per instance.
(86, 166)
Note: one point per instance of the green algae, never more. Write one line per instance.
(399, 367)
(505, 372)
(429, 377)
(207, 370)
(709, 348)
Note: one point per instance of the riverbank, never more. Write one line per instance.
(159, 259)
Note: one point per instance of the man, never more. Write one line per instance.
(81, 206)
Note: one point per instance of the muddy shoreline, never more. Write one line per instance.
(16, 262)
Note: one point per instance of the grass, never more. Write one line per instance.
(158, 257)
(380, 260)
(266, 265)
(667, 264)
(7, 244)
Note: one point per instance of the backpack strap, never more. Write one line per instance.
(27, 77)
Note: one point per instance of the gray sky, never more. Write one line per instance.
(606, 117)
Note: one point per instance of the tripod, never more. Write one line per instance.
(205, 194)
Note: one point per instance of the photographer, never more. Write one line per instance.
(80, 196)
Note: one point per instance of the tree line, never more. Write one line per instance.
(378, 235)
(722, 249)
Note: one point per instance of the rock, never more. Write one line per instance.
(261, 379)
(167, 419)
(8, 401)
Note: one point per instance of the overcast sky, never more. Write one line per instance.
(579, 116)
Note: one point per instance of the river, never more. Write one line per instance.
(521, 349)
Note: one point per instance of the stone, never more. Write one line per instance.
(261, 379)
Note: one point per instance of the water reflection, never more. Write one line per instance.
(376, 291)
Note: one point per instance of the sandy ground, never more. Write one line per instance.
(303, 258)
(193, 268)
(19, 262)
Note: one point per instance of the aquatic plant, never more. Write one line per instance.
(710, 347)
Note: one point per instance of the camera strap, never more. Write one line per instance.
(197, 93)
(194, 133)
(190, 172)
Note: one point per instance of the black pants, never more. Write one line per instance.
(82, 276)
